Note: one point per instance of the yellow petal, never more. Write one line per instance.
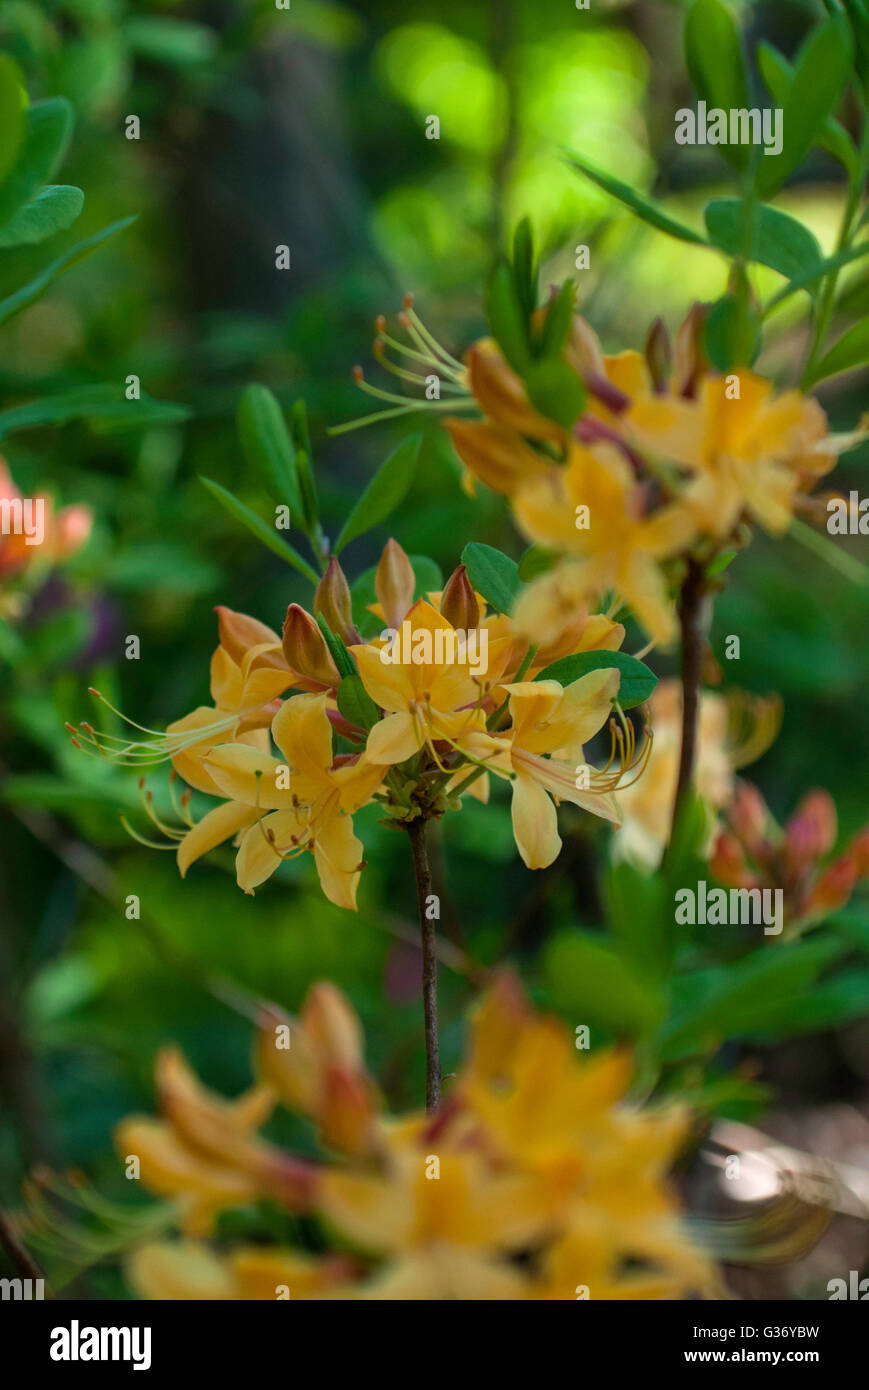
(394, 739)
(247, 775)
(215, 827)
(302, 731)
(258, 856)
(535, 823)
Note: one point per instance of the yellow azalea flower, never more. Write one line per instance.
(429, 701)
(185, 1270)
(245, 694)
(730, 735)
(205, 1154)
(618, 547)
(543, 756)
(311, 812)
(747, 449)
(600, 1163)
(537, 1177)
(315, 1066)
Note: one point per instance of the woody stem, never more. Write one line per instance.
(416, 830)
(692, 621)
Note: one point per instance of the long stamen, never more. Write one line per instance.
(428, 337)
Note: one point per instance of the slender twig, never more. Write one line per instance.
(16, 1252)
(692, 624)
(416, 830)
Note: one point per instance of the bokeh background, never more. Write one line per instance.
(307, 128)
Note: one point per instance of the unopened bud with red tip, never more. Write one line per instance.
(394, 583)
(659, 355)
(305, 648)
(459, 602)
(332, 599)
(749, 817)
(811, 831)
(727, 862)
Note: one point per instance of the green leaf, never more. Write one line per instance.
(732, 333)
(356, 704)
(524, 267)
(536, 560)
(13, 102)
(342, 658)
(304, 465)
(640, 917)
(713, 56)
(817, 272)
(47, 135)
(776, 240)
(260, 529)
(725, 1001)
(507, 319)
(820, 78)
(637, 682)
(180, 43)
(852, 350)
(644, 208)
(52, 210)
(778, 75)
(493, 574)
(557, 324)
(555, 389)
(267, 445)
(386, 490)
(29, 293)
(105, 407)
(593, 983)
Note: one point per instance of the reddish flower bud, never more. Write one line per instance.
(305, 649)
(749, 817)
(459, 602)
(811, 831)
(834, 887)
(727, 862)
(659, 355)
(332, 599)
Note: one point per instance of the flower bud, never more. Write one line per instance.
(659, 355)
(394, 583)
(811, 831)
(332, 599)
(689, 357)
(748, 816)
(459, 602)
(305, 648)
(238, 633)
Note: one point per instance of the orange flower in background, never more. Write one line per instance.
(59, 535)
(753, 851)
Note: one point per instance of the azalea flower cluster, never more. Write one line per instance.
(667, 459)
(352, 724)
(537, 1179)
(752, 851)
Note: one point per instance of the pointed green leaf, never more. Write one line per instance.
(29, 293)
(644, 208)
(776, 240)
(637, 682)
(46, 137)
(13, 105)
(386, 490)
(260, 529)
(268, 447)
(820, 78)
(355, 703)
(52, 210)
(852, 350)
(713, 56)
(493, 574)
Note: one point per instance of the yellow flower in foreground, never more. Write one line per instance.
(431, 690)
(537, 1179)
(285, 808)
(543, 755)
(594, 510)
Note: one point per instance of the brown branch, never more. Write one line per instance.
(692, 622)
(416, 830)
